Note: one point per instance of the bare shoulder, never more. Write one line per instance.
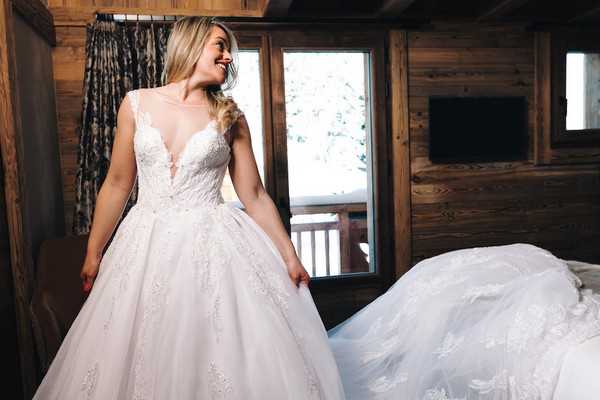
(239, 127)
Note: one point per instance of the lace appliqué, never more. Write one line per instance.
(450, 344)
(154, 303)
(121, 257)
(527, 325)
(439, 394)
(498, 382)
(210, 260)
(477, 292)
(218, 384)
(273, 288)
(384, 384)
(89, 381)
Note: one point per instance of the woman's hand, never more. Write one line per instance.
(90, 268)
(297, 272)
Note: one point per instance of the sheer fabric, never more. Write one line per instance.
(483, 323)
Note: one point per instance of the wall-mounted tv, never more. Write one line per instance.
(477, 129)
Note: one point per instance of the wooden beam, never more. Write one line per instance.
(276, 8)
(13, 181)
(393, 8)
(80, 16)
(591, 13)
(35, 13)
(401, 152)
(500, 8)
(542, 51)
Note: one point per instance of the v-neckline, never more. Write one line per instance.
(169, 155)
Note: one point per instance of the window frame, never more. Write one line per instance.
(547, 150)
(336, 297)
(562, 43)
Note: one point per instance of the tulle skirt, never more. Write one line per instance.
(486, 323)
(194, 304)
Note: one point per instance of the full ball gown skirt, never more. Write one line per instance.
(192, 299)
(490, 323)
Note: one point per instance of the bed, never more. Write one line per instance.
(580, 374)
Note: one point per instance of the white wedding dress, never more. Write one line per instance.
(192, 299)
(492, 323)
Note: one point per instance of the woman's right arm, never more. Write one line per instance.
(113, 194)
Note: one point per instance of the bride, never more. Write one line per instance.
(193, 298)
(196, 299)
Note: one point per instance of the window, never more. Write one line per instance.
(247, 94)
(575, 90)
(318, 99)
(329, 161)
(583, 91)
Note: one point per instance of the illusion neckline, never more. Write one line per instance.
(170, 100)
(169, 155)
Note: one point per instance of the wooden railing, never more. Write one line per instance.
(351, 230)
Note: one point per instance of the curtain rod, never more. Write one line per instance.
(137, 18)
(289, 22)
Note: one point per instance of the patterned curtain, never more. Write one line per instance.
(119, 57)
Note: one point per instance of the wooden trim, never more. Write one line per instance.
(268, 141)
(500, 9)
(392, 8)
(276, 8)
(542, 96)
(11, 151)
(35, 13)
(260, 41)
(331, 208)
(279, 149)
(399, 115)
(340, 26)
(374, 42)
(561, 45)
(545, 151)
(80, 16)
(589, 14)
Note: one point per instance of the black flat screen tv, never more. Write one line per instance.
(477, 129)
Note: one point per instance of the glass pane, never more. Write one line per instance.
(583, 91)
(248, 95)
(329, 163)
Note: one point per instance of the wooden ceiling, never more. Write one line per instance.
(534, 11)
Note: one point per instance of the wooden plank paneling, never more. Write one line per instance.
(21, 261)
(481, 204)
(69, 67)
(401, 151)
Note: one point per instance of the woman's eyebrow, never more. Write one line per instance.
(223, 39)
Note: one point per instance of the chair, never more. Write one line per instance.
(58, 295)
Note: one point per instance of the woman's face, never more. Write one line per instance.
(213, 64)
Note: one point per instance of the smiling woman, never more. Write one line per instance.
(192, 294)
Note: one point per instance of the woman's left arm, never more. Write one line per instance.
(259, 205)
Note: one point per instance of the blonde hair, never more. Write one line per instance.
(184, 47)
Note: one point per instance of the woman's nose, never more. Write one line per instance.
(227, 56)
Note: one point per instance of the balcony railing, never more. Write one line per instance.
(336, 246)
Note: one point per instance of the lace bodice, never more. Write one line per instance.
(199, 167)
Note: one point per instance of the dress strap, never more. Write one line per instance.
(236, 114)
(134, 98)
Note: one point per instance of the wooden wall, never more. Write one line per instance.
(468, 205)
(453, 206)
(70, 18)
(45, 216)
